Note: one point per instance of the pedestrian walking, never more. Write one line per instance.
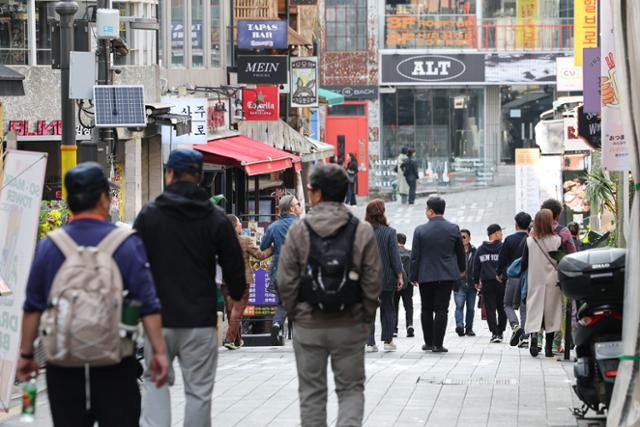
(92, 377)
(352, 175)
(555, 207)
(406, 293)
(544, 298)
(403, 185)
(437, 262)
(274, 237)
(329, 246)
(392, 279)
(465, 291)
(184, 234)
(489, 283)
(410, 171)
(511, 250)
(233, 340)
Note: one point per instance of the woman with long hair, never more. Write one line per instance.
(392, 266)
(352, 175)
(544, 298)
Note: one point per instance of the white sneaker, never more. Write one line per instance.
(371, 348)
(390, 346)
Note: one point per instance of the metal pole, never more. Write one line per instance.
(105, 135)
(68, 148)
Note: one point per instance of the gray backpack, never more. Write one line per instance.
(81, 325)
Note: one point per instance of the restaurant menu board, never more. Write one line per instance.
(259, 296)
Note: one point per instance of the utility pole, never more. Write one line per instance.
(105, 135)
(68, 148)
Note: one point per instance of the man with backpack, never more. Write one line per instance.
(329, 279)
(78, 277)
(185, 234)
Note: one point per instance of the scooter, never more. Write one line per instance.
(595, 280)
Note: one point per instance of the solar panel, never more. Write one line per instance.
(119, 106)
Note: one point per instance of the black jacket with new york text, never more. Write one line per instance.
(485, 263)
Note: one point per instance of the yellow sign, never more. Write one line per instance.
(586, 26)
(527, 30)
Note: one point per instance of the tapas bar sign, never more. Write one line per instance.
(262, 35)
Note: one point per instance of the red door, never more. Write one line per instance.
(347, 129)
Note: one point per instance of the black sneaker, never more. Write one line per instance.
(495, 339)
(427, 347)
(470, 333)
(516, 336)
(460, 331)
(410, 332)
(275, 335)
(440, 350)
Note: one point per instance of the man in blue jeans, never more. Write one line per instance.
(290, 211)
(466, 292)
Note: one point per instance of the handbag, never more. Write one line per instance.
(515, 269)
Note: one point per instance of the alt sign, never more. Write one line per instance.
(414, 69)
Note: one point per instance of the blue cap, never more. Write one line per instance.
(185, 161)
(88, 178)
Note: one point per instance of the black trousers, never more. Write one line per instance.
(435, 297)
(407, 301)
(412, 191)
(387, 319)
(493, 292)
(115, 396)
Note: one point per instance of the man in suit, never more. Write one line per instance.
(437, 262)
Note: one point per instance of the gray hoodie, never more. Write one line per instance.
(325, 219)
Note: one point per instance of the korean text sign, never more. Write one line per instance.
(586, 26)
(197, 108)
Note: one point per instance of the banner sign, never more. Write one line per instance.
(615, 150)
(591, 80)
(263, 35)
(443, 69)
(586, 26)
(261, 103)
(262, 69)
(569, 76)
(527, 184)
(197, 108)
(304, 82)
(527, 29)
(406, 31)
(355, 92)
(19, 217)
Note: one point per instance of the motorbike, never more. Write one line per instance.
(594, 279)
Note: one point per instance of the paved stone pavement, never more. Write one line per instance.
(475, 384)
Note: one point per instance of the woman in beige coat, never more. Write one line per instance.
(544, 298)
(403, 185)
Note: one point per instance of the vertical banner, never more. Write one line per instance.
(527, 29)
(19, 216)
(615, 150)
(586, 26)
(304, 82)
(527, 184)
(591, 80)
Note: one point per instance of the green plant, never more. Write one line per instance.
(601, 190)
(53, 214)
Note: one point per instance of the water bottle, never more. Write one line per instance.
(29, 394)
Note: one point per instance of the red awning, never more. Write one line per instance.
(255, 157)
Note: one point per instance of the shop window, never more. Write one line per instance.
(346, 25)
(347, 110)
(216, 34)
(197, 33)
(14, 48)
(178, 32)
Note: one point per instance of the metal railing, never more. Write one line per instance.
(521, 34)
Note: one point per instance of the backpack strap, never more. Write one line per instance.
(112, 241)
(64, 242)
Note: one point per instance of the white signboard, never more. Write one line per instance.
(527, 183)
(569, 77)
(304, 82)
(615, 149)
(20, 200)
(197, 108)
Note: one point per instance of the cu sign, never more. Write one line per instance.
(431, 68)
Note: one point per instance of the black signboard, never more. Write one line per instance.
(262, 69)
(589, 128)
(303, 2)
(355, 92)
(432, 69)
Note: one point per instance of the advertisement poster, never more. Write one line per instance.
(527, 33)
(538, 68)
(263, 35)
(527, 184)
(19, 217)
(586, 26)
(194, 107)
(615, 152)
(569, 76)
(261, 103)
(406, 31)
(304, 82)
(591, 80)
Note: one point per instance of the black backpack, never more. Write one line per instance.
(329, 282)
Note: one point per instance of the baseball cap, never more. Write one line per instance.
(493, 228)
(87, 178)
(185, 160)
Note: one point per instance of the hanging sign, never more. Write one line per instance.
(304, 82)
(569, 76)
(586, 26)
(261, 103)
(197, 108)
(527, 28)
(262, 69)
(262, 35)
(591, 80)
(615, 150)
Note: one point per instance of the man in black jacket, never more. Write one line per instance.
(184, 234)
(437, 262)
(465, 294)
(410, 170)
(512, 249)
(486, 279)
